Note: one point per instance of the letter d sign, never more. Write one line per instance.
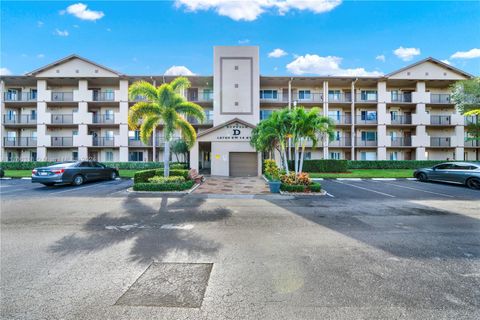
(236, 132)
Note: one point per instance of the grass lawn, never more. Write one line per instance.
(127, 173)
(367, 173)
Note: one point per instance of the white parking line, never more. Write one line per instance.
(80, 188)
(358, 187)
(417, 189)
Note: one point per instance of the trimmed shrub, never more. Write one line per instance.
(314, 187)
(144, 175)
(393, 164)
(322, 165)
(30, 165)
(171, 179)
(272, 172)
(163, 186)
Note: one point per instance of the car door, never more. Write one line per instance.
(85, 168)
(103, 172)
(441, 172)
(461, 172)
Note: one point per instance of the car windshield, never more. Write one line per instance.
(63, 165)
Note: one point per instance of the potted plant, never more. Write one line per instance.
(273, 175)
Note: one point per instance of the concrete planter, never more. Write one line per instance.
(274, 186)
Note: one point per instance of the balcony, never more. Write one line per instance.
(61, 142)
(440, 120)
(103, 96)
(138, 143)
(341, 119)
(365, 143)
(208, 119)
(20, 97)
(21, 119)
(103, 141)
(62, 96)
(307, 97)
(401, 142)
(402, 97)
(160, 141)
(403, 119)
(366, 98)
(341, 142)
(472, 120)
(20, 142)
(103, 119)
(440, 141)
(340, 97)
(437, 98)
(195, 97)
(62, 119)
(472, 143)
(366, 119)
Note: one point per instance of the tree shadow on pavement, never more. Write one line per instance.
(156, 232)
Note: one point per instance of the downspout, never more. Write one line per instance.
(354, 117)
(289, 107)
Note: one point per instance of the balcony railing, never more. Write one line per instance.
(103, 96)
(208, 119)
(204, 97)
(472, 143)
(401, 141)
(440, 141)
(103, 118)
(62, 96)
(345, 141)
(366, 120)
(365, 143)
(20, 97)
(366, 97)
(440, 98)
(62, 141)
(103, 141)
(20, 142)
(340, 97)
(21, 119)
(472, 120)
(341, 119)
(138, 143)
(307, 97)
(402, 119)
(62, 118)
(160, 141)
(401, 96)
(440, 120)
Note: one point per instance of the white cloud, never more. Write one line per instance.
(380, 57)
(277, 53)
(446, 61)
(5, 72)
(178, 71)
(40, 24)
(244, 41)
(406, 54)
(81, 11)
(40, 56)
(275, 68)
(61, 33)
(329, 65)
(250, 10)
(109, 30)
(470, 54)
(76, 26)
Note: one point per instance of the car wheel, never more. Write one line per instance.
(422, 177)
(48, 184)
(113, 175)
(473, 183)
(77, 180)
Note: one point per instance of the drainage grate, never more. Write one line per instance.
(180, 285)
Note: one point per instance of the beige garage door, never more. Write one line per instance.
(243, 164)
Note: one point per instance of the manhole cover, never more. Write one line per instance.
(169, 285)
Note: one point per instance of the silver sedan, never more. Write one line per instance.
(455, 172)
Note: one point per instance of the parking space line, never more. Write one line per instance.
(417, 189)
(80, 188)
(358, 187)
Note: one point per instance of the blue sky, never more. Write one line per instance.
(313, 37)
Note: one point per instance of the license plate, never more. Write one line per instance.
(43, 173)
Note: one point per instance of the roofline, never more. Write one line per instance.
(72, 56)
(201, 134)
(431, 59)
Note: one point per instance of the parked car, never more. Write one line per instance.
(75, 173)
(456, 172)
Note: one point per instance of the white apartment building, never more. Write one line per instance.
(77, 109)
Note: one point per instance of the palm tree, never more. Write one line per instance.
(163, 105)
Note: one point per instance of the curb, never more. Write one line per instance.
(166, 193)
(361, 179)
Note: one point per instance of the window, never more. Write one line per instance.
(264, 114)
(109, 156)
(334, 95)
(337, 135)
(268, 94)
(369, 115)
(394, 95)
(368, 95)
(304, 95)
(108, 115)
(12, 94)
(33, 114)
(335, 115)
(33, 94)
(369, 136)
(394, 155)
(109, 94)
(109, 135)
(445, 166)
(11, 115)
(393, 135)
(85, 164)
(307, 156)
(335, 155)
(135, 156)
(75, 155)
(134, 135)
(207, 94)
(368, 156)
(74, 132)
(33, 156)
(393, 115)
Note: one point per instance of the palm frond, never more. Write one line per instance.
(148, 125)
(140, 110)
(191, 109)
(180, 83)
(188, 131)
(166, 95)
(143, 89)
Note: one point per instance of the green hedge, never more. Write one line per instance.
(29, 165)
(171, 179)
(314, 187)
(392, 164)
(163, 186)
(322, 165)
(144, 175)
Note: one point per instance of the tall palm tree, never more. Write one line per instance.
(163, 105)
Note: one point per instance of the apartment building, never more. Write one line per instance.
(75, 108)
